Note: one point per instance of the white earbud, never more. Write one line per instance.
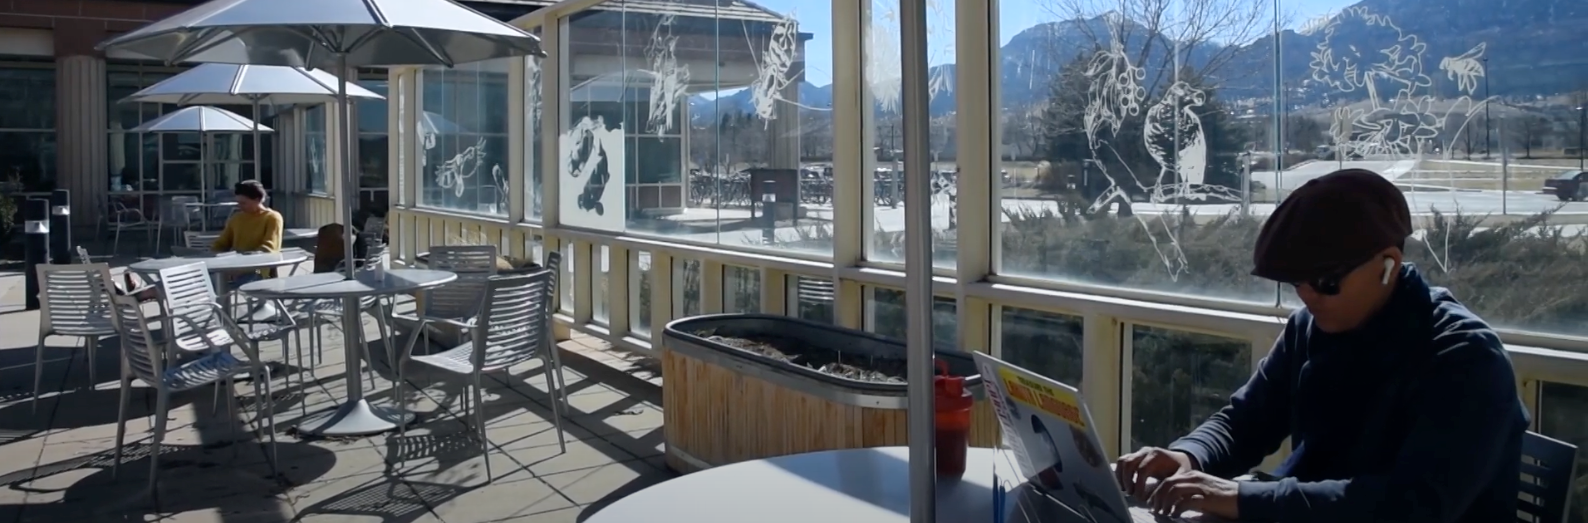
(1389, 268)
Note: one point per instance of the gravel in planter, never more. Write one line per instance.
(879, 370)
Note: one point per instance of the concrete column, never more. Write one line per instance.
(81, 158)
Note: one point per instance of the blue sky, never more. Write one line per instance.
(815, 16)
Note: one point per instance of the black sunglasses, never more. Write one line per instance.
(1329, 284)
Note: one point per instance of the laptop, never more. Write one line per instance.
(1049, 434)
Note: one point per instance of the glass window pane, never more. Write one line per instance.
(181, 147)
(533, 157)
(463, 134)
(814, 299)
(27, 158)
(1564, 417)
(640, 293)
(887, 316)
(567, 277)
(1178, 379)
(599, 281)
(315, 152)
(883, 78)
(686, 287)
(741, 289)
(27, 98)
(1046, 343)
(731, 97)
(180, 177)
(1123, 162)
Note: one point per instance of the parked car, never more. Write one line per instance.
(1568, 186)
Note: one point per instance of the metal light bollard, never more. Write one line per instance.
(36, 228)
(61, 227)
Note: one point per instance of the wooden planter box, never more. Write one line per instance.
(723, 405)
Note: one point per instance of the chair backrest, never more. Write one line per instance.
(186, 292)
(74, 295)
(1548, 466)
(177, 209)
(138, 349)
(515, 320)
(461, 259)
(554, 264)
(373, 232)
(474, 264)
(194, 240)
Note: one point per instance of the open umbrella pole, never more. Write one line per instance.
(257, 159)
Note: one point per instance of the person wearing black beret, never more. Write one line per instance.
(1400, 404)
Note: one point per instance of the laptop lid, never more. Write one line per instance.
(1048, 428)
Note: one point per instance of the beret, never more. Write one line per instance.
(1329, 224)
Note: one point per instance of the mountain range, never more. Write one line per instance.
(1528, 47)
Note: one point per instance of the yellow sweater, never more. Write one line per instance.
(251, 231)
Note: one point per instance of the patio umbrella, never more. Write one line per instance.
(333, 34)
(232, 84)
(203, 120)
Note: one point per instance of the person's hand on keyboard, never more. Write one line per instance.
(1133, 471)
(1198, 491)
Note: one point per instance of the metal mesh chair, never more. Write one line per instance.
(514, 326)
(74, 300)
(1548, 466)
(145, 356)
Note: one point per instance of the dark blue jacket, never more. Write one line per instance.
(1412, 418)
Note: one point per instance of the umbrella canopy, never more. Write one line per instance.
(200, 119)
(227, 84)
(317, 33)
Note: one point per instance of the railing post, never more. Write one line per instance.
(61, 227)
(769, 212)
(35, 216)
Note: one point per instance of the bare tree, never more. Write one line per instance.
(1531, 130)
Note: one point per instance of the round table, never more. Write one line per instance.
(287, 235)
(354, 417)
(861, 485)
(224, 262)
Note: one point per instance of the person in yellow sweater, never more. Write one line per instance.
(253, 228)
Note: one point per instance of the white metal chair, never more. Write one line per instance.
(124, 218)
(514, 326)
(195, 321)
(74, 300)
(146, 356)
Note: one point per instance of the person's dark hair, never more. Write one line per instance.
(251, 189)
(1037, 425)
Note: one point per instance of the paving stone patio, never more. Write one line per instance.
(56, 465)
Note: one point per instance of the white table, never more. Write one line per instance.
(860, 486)
(287, 235)
(355, 417)
(224, 262)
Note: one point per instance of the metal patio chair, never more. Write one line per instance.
(147, 356)
(1548, 466)
(514, 326)
(74, 300)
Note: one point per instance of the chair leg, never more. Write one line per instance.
(267, 414)
(557, 405)
(161, 405)
(232, 418)
(38, 372)
(92, 343)
(479, 426)
(121, 417)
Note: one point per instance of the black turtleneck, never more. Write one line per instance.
(1413, 417)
